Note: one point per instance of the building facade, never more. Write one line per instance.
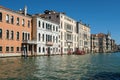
(83, 36)
(108, 42)
(68, 36)
(104, 41)
(46, 33)
(15, 29)
(94, 48)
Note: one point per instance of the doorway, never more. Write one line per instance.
(48, 50)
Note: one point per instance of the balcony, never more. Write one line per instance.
(49, 43)
(29, 41)
(69, 30)
(69, 40)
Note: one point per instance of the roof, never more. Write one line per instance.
(18, 12)
(39, 16)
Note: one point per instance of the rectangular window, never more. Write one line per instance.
(12, 49)
(0, 33)
(17, 49)
(7, 49)
(57, 16)
(0, 16)
(28, 23)
(0, 48)
(69, 37)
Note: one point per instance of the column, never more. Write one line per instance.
(33, 49)
(27, 49)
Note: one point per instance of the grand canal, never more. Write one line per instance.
(105, 66)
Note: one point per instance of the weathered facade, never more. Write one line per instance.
(94, 43)
(68, 36)
(83, 36)
(46, 34)
(15, 30)
(104, 41)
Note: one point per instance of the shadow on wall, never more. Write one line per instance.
(105, 76)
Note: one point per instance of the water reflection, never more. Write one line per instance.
(72, 67)
(106, 76)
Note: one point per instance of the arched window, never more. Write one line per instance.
(28, 36)
(7, 18)
(28, 23)
(0, 33)
(0, 16)
(23, 36)
(23, 22)
(53, 38)
(7, 34)
(53, 28)
(56, 28)
(12, 19)
(56, 39)
(12, 34)
(43, 49)
(39, 23)
(39, 36)
(39, 49)
(17, 20)
(43, 24)
(18, 35)
(46, 37)
(43, 37)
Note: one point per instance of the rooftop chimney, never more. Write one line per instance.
(25, 10)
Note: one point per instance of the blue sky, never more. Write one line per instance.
(102, 15)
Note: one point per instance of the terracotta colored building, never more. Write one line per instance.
(15, 31)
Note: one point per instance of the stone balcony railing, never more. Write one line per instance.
(29, 41)
(69, 30)
(69, 41)
(49, 43)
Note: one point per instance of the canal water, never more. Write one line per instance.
(105, 66)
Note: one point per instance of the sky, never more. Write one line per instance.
(103, 16)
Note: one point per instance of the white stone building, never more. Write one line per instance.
(68, 36)
(84, 36)
(46, 33)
